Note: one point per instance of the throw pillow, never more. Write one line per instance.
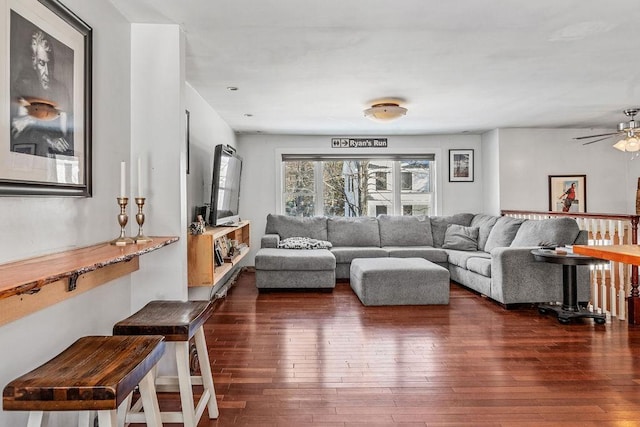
(461, 238)
(439, 225)
(303, 243)
(503, 233)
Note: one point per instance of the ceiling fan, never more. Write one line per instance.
(630, 132)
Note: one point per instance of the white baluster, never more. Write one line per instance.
(594, 290)
(603, 290)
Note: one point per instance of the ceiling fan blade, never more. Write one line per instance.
(595, 136)
(598, 140)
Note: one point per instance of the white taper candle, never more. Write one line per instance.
(122, 179)
(139, 177)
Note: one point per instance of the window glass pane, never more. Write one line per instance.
(337, 188)
(407, 180)
(381, 210)
(358, 187)
(299, 185)
(416, 196)
(379, 191)
(381, 180)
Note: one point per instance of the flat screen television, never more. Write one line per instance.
(225, 186)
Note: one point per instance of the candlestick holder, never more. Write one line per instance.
(141, 238)
(123, 240)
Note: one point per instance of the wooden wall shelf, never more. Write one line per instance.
(55, 277)
(202, 270)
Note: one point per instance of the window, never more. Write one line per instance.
(326, 185)
(381, 181)
(381, 210)
(407, 180)
(299, 185)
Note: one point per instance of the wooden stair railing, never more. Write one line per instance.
(610, 284)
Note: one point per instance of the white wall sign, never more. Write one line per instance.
(358, 142)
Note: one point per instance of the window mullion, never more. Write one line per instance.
(396, 182)
(319, 188)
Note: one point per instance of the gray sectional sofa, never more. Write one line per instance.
(489, 254)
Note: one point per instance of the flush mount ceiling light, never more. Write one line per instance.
(385, 112)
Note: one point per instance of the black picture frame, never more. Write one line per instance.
(52, 159)
(461, 165)
(187, 117)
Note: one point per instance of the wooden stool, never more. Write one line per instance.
(178, 321)
(94, 373)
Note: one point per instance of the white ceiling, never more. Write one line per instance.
(312, 67)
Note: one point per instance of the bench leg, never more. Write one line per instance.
(150, 400)
(85, 419)
(205, 371)
(108, 418)
(36, 418)
(184, 379)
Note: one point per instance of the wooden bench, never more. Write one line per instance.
(178, 322)
(95, 373)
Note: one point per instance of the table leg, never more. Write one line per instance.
(569, 288)
(569, 308)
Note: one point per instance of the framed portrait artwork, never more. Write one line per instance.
(460, 165)
(567, 193)
(45, 113)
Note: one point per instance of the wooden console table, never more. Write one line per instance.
(32, 284)
(626, 254)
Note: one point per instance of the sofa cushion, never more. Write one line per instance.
(291, 226)
(294, 259)
(485, 223)
(346, 254)
(503, 232)
(461, 238)
(427, 252)
(460, 258)
(439, 225)
(405, 230)
(547, 232)
(479, 265)
(360, 231)
(303, 243)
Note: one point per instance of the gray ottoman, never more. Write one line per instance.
(399, 281)
(295, 269)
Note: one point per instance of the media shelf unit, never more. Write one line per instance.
(201, 267)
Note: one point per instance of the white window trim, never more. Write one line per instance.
(438, 173)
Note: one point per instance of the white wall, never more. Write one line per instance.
(33, 226)
(158, 138)
(528, 156)
(259, 186)
(490, 172)
(207, 129)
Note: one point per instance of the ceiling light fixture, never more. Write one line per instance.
(385, 112)
(630, 142)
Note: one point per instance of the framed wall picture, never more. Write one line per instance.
(45, 101)
(567, 193)
(460, 165)
(187, 136)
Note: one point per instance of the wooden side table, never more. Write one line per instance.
(569, 308)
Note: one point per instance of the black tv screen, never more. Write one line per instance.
(225, 186)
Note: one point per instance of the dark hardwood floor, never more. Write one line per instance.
(314, 358)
